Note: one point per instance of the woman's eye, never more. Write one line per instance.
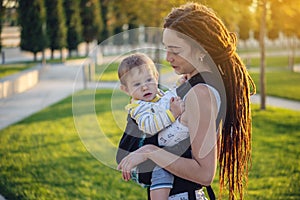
(172, 51)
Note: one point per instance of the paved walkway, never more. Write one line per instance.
(57, 81)
(60, 81)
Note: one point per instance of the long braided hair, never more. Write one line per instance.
(202, 25)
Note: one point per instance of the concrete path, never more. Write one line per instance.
(277, 102)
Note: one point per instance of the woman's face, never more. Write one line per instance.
(179, 53)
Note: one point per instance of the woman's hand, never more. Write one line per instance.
(133, 159)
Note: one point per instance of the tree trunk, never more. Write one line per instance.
(34, 56)
(62, 59)
(292, 47)
(43, 57)
(87, 49)
(262, 56)
(69, 53)
(52, 54)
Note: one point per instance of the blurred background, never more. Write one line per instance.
(62, 25)
(47, 43)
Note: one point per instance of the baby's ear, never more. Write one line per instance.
(124, 89)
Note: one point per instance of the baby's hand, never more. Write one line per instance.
(176, 106)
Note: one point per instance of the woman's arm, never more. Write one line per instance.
(200, 117)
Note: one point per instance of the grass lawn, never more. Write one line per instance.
(272, 61)
(42, 157)
(284, 84)
(107, 72)
(10, 69)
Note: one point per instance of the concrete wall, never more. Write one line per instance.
(19, 82)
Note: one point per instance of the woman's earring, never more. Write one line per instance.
(201, 58)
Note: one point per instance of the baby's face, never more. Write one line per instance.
(142, 84)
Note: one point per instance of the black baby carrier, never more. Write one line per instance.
(132, 140)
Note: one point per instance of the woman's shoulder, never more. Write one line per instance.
(198, 90)
(202, 94)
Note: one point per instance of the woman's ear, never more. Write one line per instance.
(124, 89)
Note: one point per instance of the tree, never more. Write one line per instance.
(2, 8)
(119, 16)
(91, 21)
(275, 16)
(245, 24)
(56, 29)
(262, 54)
(285, 18)
(74, 27)
(32, 18)
(104, 4)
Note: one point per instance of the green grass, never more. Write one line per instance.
(42, 157)
(10, 69)
(285, 84)
(107, 72)
(271, 62)
(275, 172)
(257, 49)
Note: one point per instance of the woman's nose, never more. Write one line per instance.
(169, 57)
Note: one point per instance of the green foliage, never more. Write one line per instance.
(56, 26)
(91, 19)
(104, 4)
(42, 157)
(73, 22)
(284, 17)
(2, 9)
(245, 24)
(32, 19)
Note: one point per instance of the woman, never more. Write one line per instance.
(188, 29)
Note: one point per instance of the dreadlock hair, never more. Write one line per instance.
(202, 25)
